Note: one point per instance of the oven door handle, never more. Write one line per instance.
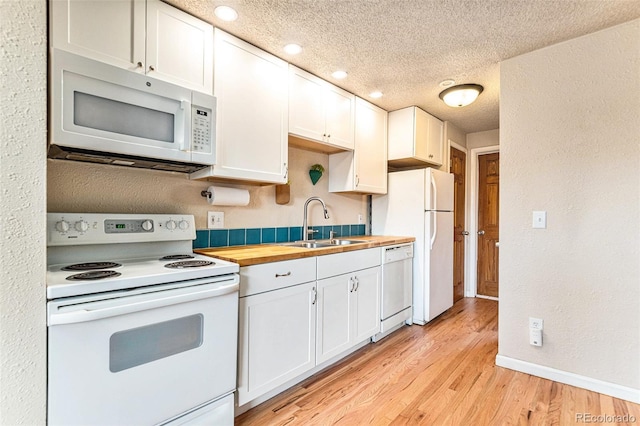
(153, 300)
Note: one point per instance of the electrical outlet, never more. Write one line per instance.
(535, 337)
(535, 324)
(360, 219)
(215, 220)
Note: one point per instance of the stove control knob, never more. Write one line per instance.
(171, 225)
(81, 226)
(183, 225)
(147, 225)
(62, 226)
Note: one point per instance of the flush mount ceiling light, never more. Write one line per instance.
(375, 95)
(339, 75)
(461, 95)
(226, 13)
(293, 49)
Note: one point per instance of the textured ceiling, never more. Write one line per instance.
(405, 48)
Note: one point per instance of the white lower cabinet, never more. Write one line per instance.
(295, 315)
(348, 311)
(277, 339)
(277, 325)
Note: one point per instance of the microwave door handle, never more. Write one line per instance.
(185, 144)
(155, 301)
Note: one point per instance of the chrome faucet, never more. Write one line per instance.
(305, 231)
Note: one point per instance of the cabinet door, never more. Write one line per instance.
(435, 141)
(366, 297)
(370, 148)
(179, 47)
(104, 30)
(306, 105)
(334, 313)
(251, 126)
(421, 142)
(277, 339)
(340, 117)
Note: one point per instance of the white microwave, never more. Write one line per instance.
(104, 114)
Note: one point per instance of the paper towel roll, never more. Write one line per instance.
(221, 196)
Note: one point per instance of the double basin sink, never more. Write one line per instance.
(321, 243)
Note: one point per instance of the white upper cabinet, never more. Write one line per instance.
(364, 169)
(144, 36)
(320, 111)
(415, 138)
(251, 125)
(179, 47)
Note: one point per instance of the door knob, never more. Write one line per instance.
(481, 232)
(465, 232)
(497, 243)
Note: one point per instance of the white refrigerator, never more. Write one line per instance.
(419, 203)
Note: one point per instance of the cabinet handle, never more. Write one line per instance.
(352, 284)
(286, 171)
(315, 296)
(152, 68)
(357, 180)
(328, 136)
(283, 275)
(357, 283)
(139, 64)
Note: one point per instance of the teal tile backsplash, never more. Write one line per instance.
(244, 236)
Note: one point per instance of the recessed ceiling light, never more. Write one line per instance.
(375, 95)
(339, 75)
(447, 83)
(293, 49)
(226, 13)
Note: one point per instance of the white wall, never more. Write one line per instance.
(483, 139)
(84, 187)
(570, 145)
(23, 90)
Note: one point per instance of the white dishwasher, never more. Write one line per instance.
(397, 288)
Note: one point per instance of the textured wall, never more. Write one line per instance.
(23, 90)
(83, 187)
(570, 145)
(482, 139)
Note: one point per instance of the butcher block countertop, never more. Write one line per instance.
(265, 253)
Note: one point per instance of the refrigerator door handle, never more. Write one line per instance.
(435, 229)
(434, 206)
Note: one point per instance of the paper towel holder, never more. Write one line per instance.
(205, 194)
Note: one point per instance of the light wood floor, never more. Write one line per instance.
(443, 373)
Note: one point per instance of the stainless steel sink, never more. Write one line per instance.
(340, 242)
(320, 243)
(305, 244)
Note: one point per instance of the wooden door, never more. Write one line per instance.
(488, 220)
(458, 166)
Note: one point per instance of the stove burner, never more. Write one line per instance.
(93, 275)
(90, 266)
(177, 257)
(188, 264)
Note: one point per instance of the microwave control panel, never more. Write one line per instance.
(201, 125)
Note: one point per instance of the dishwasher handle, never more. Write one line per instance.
(143, 302)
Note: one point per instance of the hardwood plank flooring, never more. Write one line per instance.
(443, 373)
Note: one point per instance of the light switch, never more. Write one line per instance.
(540, 219)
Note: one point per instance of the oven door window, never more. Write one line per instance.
(141, 345)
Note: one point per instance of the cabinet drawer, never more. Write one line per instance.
(272, 276)
(343, 263)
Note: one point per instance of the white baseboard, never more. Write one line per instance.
(481, 296)
(595, 385)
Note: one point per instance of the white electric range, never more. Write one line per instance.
(141, 329)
